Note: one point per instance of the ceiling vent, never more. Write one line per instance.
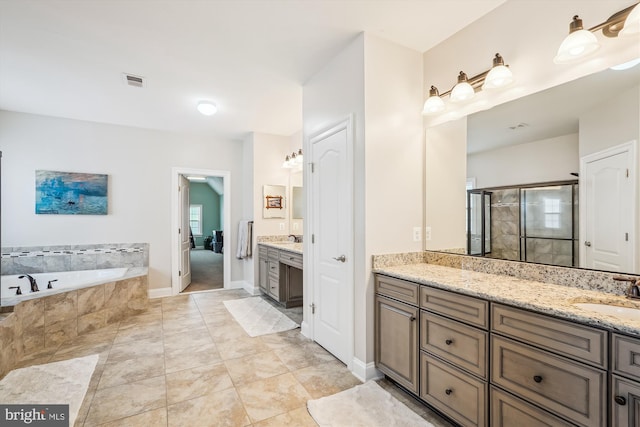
(519, 126)
(132, 80)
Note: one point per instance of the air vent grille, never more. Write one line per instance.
(133, 80)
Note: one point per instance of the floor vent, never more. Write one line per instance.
(132, 80)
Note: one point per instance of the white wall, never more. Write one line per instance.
(546, 160)
(138, 163)
(445, 179)
(394, 153)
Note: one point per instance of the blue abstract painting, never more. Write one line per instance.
(69, 193)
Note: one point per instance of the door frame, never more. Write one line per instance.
(632, 148)
(307, 326)
(175, 222)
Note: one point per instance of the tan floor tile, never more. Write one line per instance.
(195, 338)
(182, 325)
(255, 367)
(125, 400)
(274, 396)
(131, 370)
(154, 418)
(284, 339)
(191, 357)
(298, 417)
(196, 382)
(132, 350)
(227, 332)
(326, 379)
(218, 319)
(240, 347)
(144, 319)
(219, 409)
(136, 333)
(295, 357)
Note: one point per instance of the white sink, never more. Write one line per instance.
(626, 313)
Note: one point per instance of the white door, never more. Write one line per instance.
(185, 242)
(609, 210)
(332, 229)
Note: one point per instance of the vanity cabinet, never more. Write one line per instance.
(280, 275)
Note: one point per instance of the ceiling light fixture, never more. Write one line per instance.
(207, 108)
(196, 178)
(497, 77)
(626, 65)
(581, 43)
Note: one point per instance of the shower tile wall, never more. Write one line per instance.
(505, 214)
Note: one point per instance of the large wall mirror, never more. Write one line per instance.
(551, 178)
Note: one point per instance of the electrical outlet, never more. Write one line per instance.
(417, 234)
(296, 225)
(282, 226)
(427, 233)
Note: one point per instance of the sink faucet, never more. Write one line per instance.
(32, 282)
(633, 291)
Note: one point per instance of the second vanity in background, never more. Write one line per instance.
(280, 272)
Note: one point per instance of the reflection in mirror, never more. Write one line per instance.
(273, 199)
(528, 154)
(297, 202)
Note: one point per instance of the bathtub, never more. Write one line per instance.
(65, 281)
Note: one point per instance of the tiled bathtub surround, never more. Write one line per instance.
(43, 259)
(573, 277)
(44, 323)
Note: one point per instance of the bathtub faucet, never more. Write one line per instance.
(32, 282)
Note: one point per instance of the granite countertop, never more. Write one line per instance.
(287, 246)
(544, 298)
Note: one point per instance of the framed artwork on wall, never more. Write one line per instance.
(71, 193)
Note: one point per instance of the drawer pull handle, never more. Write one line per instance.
(620, 400)
(537, 379)
(448, 342)
(448, 391)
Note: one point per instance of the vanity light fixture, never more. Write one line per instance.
(580, 42)
(497, 77)
(294, 160)
(207, 108)
(287, 162)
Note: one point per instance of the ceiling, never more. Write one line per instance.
(65, 58)
(546, 114)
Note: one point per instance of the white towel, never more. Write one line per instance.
(244, 240)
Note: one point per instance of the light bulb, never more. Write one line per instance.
(207, 108)
(578, 44)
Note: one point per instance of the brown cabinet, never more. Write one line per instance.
(263, 270)
(625, 402)
(280, 275)
(396, 341)
(508, 410)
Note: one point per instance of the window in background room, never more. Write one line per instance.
(195, 219)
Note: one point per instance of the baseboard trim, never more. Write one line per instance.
(160, 292)
(243, 284)
(365, 371)
(305, 329)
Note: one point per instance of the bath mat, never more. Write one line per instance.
(365, 405)
(64, 382)
(258, 317)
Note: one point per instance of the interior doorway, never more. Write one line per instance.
(200, 220)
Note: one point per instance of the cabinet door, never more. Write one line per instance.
(625, 405)
(396, 344)
(263, 274)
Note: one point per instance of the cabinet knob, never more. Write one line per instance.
(620, 400)
(537, 379)
(412, 318)
(448, 391)
(448, 342)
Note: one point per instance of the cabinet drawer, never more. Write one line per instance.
(559, 336)
(396, 341)
(459, 307)
(290, 258)
(274, 288)
(274, 269)
(508, 410)
(462, 345)
(398, 289)
(455, 393)
(567, 388)
(262, 251)
(273, 254)
(626, 356)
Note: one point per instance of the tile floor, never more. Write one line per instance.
(186, 362)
